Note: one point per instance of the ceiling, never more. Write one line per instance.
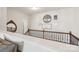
(30, 11)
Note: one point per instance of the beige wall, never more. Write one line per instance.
(3, 18)
(64, 22)
(75, 25)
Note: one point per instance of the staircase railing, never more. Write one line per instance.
(63, 37)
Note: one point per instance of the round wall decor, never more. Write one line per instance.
(47, 18)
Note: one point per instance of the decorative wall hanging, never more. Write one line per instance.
(55, 17)
(11, 26)
(47, 18)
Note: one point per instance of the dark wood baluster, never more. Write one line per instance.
(67, 38)
(58, 37)
(48, 34)
(62, 38)
(55, 37)
(43, 34)
(70, 37)
(52, 36)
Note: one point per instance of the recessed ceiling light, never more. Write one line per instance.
(35, 8)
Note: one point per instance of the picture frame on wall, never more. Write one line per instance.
(55, 17)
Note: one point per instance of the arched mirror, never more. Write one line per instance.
(11, 26)
(47, 18)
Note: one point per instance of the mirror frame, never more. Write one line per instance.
(12, 22)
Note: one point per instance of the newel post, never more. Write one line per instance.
(70, 33)
(28, 31)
